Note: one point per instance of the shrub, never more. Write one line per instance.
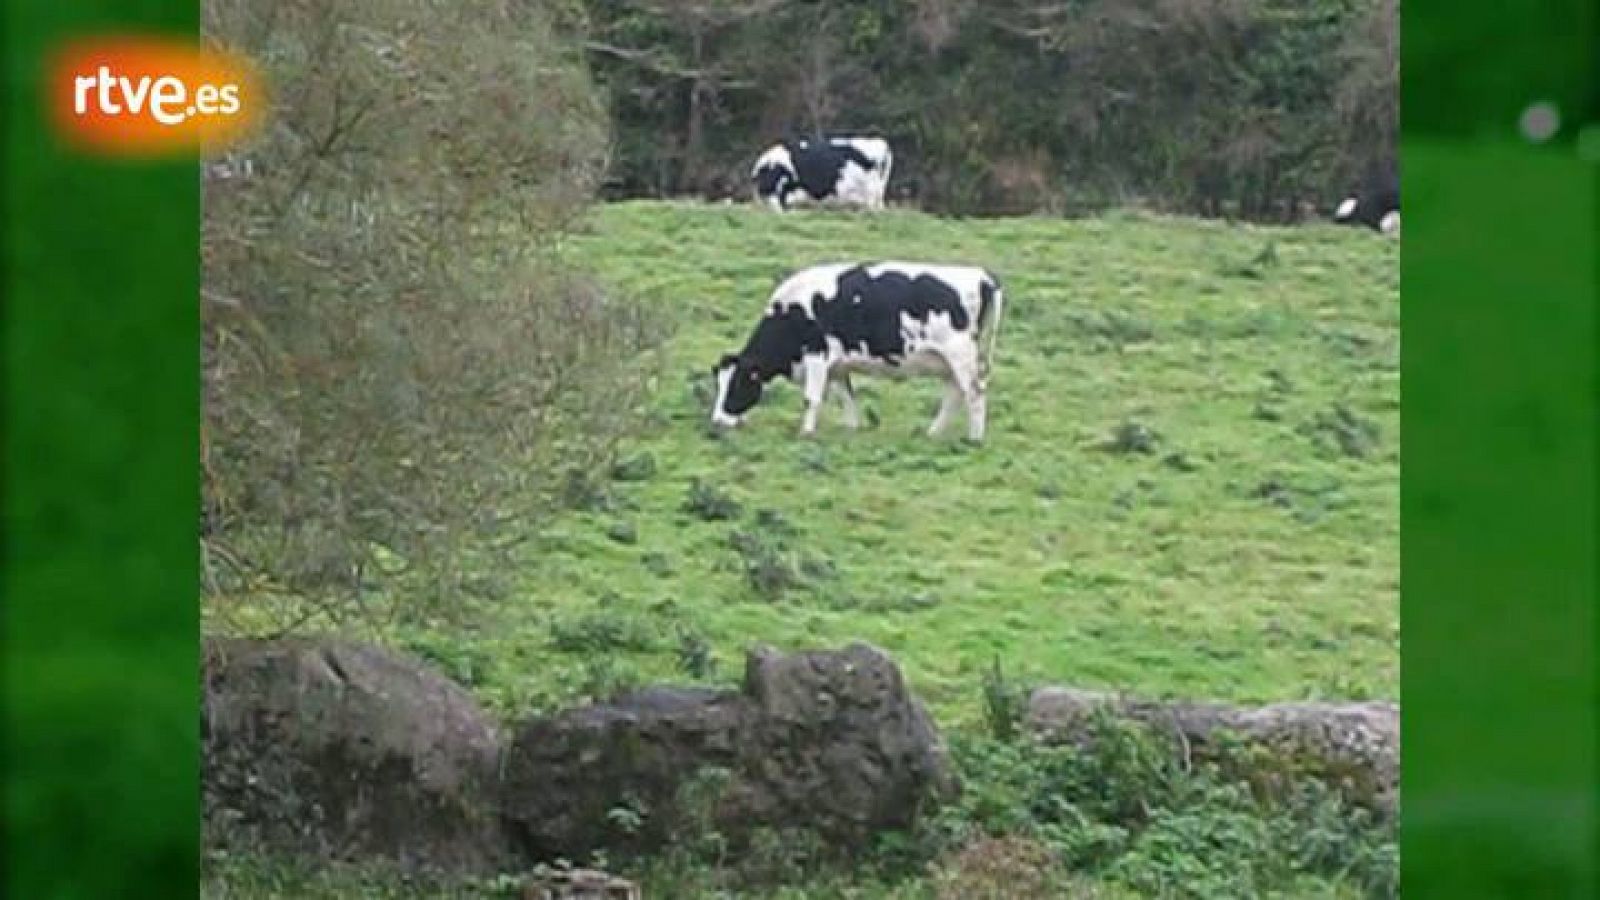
(1008, 868)
(1340, 432)
(772, 569)
(603, 631)
(393, 365)
(1004, 704)
(638, 467)
(623, 532)
(694, 655)
(709, 503)
(1127, 806)
(602, 679)
(1131, 437)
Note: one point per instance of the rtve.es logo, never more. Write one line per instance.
(151, 96)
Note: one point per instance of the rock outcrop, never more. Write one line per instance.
(826, 740)
(1355, 746)
(333, 749)
(344, 750)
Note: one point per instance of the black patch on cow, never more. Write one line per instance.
(770, 178)
(1373, 202)
(774, 348)
(864, 312)
(817, 168)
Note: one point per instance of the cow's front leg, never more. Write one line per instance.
(847, 399)
(815, 373)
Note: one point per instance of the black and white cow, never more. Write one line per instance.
(892, 318)
(839, 170)
(1376, 206)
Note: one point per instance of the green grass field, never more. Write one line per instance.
(1189, 487)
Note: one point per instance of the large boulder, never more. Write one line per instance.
(340, 750)
(1355, 746)
(831, 741)
(837, 741)
(572, 780)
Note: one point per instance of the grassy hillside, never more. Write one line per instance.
(1190, 484)
(1189, 488)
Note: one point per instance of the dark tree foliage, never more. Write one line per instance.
(1252, 108)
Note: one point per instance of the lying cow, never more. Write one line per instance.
(1376, 207)
(894, 318)
(840, 170)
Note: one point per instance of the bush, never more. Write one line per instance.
(773, 569)
(1005, 704)
(769, 568)
(709, 503)
(393, 364)
(604, 631)
(694, 654)
(1128, 807)
(1001, 869)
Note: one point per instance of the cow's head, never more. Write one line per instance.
(739, 384)
(1346, 211)
(774, 175)
(772, 183)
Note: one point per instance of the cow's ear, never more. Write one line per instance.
(728, 359)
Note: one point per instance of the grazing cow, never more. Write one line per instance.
(891, 318)
(1377, 207)
(841, 170)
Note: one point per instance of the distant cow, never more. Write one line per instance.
(891, 318)
(840, 170)
(1376, 206)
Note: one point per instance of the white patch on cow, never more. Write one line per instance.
(858, 187)
(1390, 223)
(777, 155)
(862, 187)
(919, 362)
(718, 417)
(966, 376)
(1345, 209)
(815, 385)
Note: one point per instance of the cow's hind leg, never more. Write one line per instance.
(967, 376)
(847, 398)
(947, 408)
(977, 411)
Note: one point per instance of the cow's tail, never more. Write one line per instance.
(991, 307)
